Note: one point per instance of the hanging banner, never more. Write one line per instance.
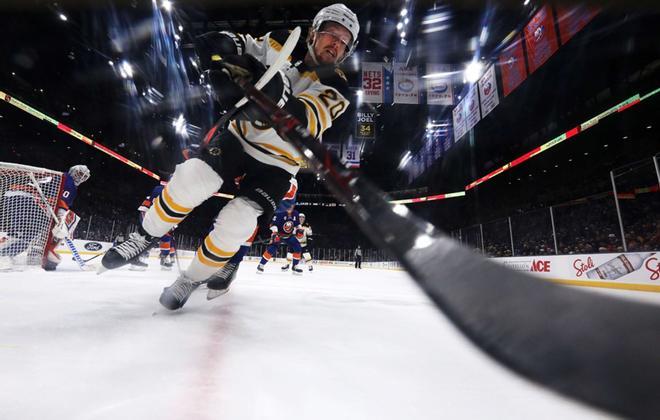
(472, 112)
(460, 127)
(488, 95)
(540, 38)
(365, 125)
(351, 154)
(571, 21)
(439, 89)
(406, 84)
(512, 66)
(372, 83)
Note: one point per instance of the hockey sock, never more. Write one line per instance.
(238, 256)
(192, 183)
(265, 258)
(234, 224)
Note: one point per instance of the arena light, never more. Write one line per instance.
(126, 70)
(473, 71)
(167, 5)
(63, 17)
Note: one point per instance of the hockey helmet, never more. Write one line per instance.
(342, 15)
(79, 174)
(301, 216)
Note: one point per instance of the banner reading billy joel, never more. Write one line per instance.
(439, 89)
(372, 82)
(512, 66)
(406, 84)
(540, 38)
(572, 20)
(365, 126)
(488, 95)
(472, 113)
(460, 127)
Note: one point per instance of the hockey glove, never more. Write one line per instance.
(226, 75)
(60, 230)
(274, 238)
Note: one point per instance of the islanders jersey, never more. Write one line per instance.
(285, 224)
(318, 99)
(149, 200)
(69, 192)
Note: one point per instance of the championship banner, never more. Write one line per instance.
(460, 127)
(372, 83)
(488, 95)
(472, 112)
(365, 126)
(439, 90)
(512, 66)
(540, 38)
(406, 84)
(571, 21)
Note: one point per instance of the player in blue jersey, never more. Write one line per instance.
(284, 228)
(20, 196)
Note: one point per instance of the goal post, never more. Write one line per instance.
(25, 221)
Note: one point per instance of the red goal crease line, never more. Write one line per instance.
(73, 133)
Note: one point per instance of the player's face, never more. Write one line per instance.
(331, 43)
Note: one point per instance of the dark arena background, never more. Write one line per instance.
(526, 132)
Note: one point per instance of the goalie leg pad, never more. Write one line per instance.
(193, 182)
(234, 224)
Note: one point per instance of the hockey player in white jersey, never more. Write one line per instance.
(313, 89)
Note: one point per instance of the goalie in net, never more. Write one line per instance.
(29, 234)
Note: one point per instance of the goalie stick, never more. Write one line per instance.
(68, 241)
(589, 347)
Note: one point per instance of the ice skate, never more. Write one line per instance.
(138, 265)
(285, 267)
(176, 295)
(219, 283)
(165, 264)
(297, 271)
(311, 268)
(260, 269)
(127, 251)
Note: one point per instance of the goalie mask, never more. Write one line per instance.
(79, 174)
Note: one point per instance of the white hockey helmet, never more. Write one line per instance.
(79, 174)
(301, 216)
(342, 15)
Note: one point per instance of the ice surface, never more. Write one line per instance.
(333, 344)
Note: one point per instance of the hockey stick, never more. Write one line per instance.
(68, 242)
(593, 348)
(74, 251)
(279, 63)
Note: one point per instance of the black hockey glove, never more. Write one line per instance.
(226, 74)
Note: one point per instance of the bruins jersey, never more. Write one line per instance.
(318, 99)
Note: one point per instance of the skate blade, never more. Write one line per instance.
(101, 269)
(212, 293)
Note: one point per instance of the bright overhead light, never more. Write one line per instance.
(403, 34)
(399, 26)
(110, 62)
(648, 127)
(405, 21)
(63, 17)
(404, 12)
(180, 27)
(167, 5)
(525, 3)
(473, 71)
(126, 70)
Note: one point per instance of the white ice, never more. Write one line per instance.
(333, 344)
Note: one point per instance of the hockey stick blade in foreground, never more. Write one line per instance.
(593, 348)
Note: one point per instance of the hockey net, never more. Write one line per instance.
(25, 221)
